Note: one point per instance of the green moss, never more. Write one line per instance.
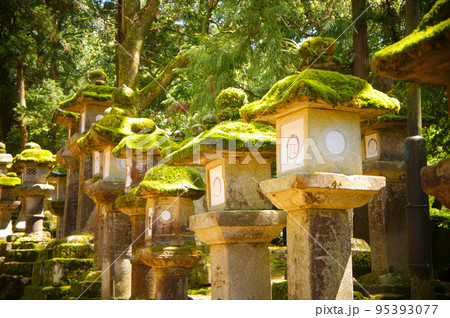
(231, 98)
(78, 251)
(391, 279)
(388, 297)
(331, 87)
(358, 296)
(441, 217)
(129, 201)
(66, 114)
(123, 96)
(280, 290)
(24, 269)
(96, 92)
(97, 74)
(129, 111)
(142, 142)
(30, 242)
(171, 181)
(435, 33)
(239, 132)
(29, 255)
(200, 291)
(438, 13)
(174, 146)
(113, 128)
(210, 120)
(9, 181)
(229, 114)
(32, 145)
(11, 174)
(46, 293)
(316, 46)
(33, 155)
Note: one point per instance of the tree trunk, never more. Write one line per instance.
(135, 21)
(205, 27)
(361, 65)
(21, 94)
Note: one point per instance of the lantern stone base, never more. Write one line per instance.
(318, 227)
(240, 267)
(436, 181)
(6, 210)
(171, 269)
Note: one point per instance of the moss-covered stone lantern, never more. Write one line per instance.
(5, 159)
(141, 152)
(170, 251)
(33, 163)
(239, 223)
(8, 202)
(113, 227)
(317, 114)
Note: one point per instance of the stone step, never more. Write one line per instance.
(29, 255)
(87, 290)
(12, 286)
(24, 269)
(5, 247)
(60, 271)
(46, 293)
(72, 251)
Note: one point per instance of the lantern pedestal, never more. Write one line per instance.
(319, 258)
(240, 267)
(33, 199)
(115, 229)
(171, 267)
(142, 276)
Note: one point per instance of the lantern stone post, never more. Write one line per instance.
(319, 171)
(239, 223)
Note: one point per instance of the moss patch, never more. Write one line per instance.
(441, 217)
(280, 290)
(319, 85)
(79, 251)
(200, 291)
(46, 293)
(232, 135)
(17, 268)
(171, 181)
(97, 92)
(145, 142)
(130, 201)
(435, 33)
(28, 255)
(113, 128)
(33, 155)
(9, 181)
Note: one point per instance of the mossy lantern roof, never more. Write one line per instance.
(65, 118)
(167, 180)
(111, 129)
(319, 89)
(233, 137)
(6, 181)
(33, 156)
(424, 55)
(88, 93)
(397, 119)
(153, 142)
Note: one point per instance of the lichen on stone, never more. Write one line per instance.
(113, 128)
(319, 85)
(235, 135)
(157, 140)
(167, 180)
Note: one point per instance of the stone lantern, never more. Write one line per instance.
(112, 228)
(7, 202)
(239, 223)
(5, 159)
(317, 114)
(34, 164)
(141, 152)
(78, 113)
(57, 178)
(170, 245)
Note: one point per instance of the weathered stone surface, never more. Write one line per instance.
(388, 229)
(240, 266)
(238, 184)
(321, 190)
(436, 181)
